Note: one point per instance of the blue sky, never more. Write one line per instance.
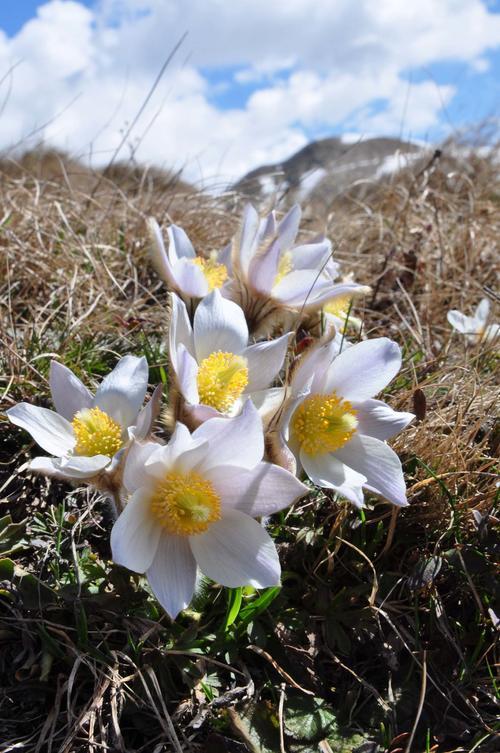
(15, 13)
(265, 80)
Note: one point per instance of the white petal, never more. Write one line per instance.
(190, 280)
(122, 392)
(179, 331)
(379, 463)
(172, 576)
(180, 246)
(360, 372)
(135, 535)
(461, 322)
(148, 414)
(265, 360)
(199, 413)
(46, 466)
(296, 288)
(159, 254)
(224, 257)
(245, 243)
(50, 430)
(329, 291)
(237, 551)
(378, 420)
(180, 441)
(310, 373)
(268, 402)
(264, 268)
(187, 372)
(482, 311)
(233, 441)
(289, 408)
(329, 472)
(311, 255)
(261, 491)
(81, 466)
(219, 324)
(289, 227)
(69, 395)
(71, 468)
(185, 450)
(267, 228)
(182, 453)
(135, 473)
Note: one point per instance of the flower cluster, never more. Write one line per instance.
(250, 411)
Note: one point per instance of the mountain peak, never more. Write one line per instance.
(326, 168)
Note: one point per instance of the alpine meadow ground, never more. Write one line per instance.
(383, 634)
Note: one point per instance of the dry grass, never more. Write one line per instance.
(384, 617)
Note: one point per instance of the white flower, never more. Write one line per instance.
(268, 266)
(86, 433)
(192, 504)
(187, 274)
(334, 427)
(475, 328)
(215, 367)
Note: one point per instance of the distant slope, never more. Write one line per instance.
(325, 168)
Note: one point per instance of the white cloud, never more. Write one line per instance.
(313, 64)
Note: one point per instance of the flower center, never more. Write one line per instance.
(96, 433)
(285, 266)
(323, 423)
(338, 306)
(185, 504)
(222, 377)
(215, 273)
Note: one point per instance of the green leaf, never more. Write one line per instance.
(233, 606)
(34, 593)
(6, 569)
(309, 718)
(256, 607)
(11, 535)
(258, 727)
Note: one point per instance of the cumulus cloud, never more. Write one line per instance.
(76, 77)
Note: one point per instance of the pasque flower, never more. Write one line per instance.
(193, 503)
(336, 430)
(86, 433)
(272, 274)
(186, 273)
(215, 367)
(475, 328)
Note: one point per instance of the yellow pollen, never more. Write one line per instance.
(222, 377)
(323, 423)
(285, 266)
(185, 504)
(96, 433)
(338, 306)
(215, 273)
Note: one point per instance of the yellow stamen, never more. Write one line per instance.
(96, 433)
(323, 423)
(222, 377)
(185, 504)
(215, 273)
(285, 266)
(338, 306)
